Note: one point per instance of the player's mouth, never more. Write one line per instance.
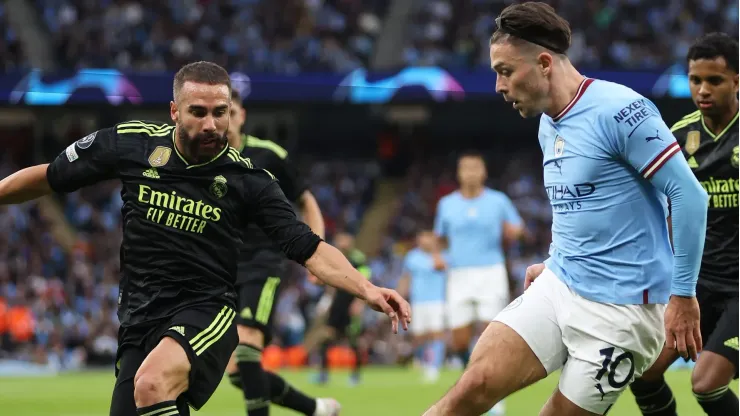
(705, 104)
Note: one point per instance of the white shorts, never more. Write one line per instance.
(601, 347)
(428, 317)
(476, 294)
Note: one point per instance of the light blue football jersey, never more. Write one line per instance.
(609, 233)
(474, 227)
(427, 284)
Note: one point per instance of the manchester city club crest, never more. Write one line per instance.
(218, 187)
(559, 146)
(735, 160)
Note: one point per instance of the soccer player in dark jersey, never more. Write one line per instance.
(187, 196)
(709, 141)
(261, 266)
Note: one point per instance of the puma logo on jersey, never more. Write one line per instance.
(179, 329)
(651, 138)
(151, 173)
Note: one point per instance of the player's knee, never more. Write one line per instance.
(703, 382)
(251, 336)
(480, 388)
(151, 388)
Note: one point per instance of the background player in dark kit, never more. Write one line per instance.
(261, 268)
(186, 198)
(709, 140)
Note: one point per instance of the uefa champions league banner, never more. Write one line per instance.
(412, 84)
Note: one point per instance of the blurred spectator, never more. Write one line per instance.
(283, 36)
(636, 34)
(11, 53)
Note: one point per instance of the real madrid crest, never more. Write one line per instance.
(160, 156)
(559, 145)
(735, 159)
(218, 187)
(693, 139)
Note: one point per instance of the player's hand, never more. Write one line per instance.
(682, 326)
(534, 271)
(392, 304)
(439, 262)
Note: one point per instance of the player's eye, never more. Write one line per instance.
(715, 80)
(198, 112)
(695, 80)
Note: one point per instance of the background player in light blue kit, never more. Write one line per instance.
(476, 222)
(424, 283)
(597, 308)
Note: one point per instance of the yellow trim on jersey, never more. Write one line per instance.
(689, 119)
(267, 144)
(235, 156)
(717, 137)
(214, 332)
(189, 166)
(270, 173)
(267, 299)
(149, 129)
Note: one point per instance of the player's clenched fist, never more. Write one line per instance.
(392, 304)
(533, 272)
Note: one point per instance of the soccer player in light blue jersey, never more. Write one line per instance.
(475, 222)
(612, 292)
(424, 282)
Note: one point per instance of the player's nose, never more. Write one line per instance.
(209, 124)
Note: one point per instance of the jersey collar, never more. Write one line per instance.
(581, 89)
(717, 137)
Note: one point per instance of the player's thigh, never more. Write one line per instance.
(559, 405)
(207, 334)
(666, 358)
(460, 295)
(128, 361)
(535, 317)
(257, 297)
(718, 363)
(492, 295)
(608, 347)
(502, 363)
(164, 373)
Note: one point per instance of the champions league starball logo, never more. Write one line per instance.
(34, 89)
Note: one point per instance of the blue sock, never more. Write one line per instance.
(437, 348)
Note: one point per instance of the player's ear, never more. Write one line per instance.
(735, 81)
(544, 61)
(173, 111)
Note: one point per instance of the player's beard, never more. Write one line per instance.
(194, 148)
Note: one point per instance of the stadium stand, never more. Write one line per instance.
(283, 36)
(631, 34)
(11, 52)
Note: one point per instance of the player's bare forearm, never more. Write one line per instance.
(25, 185)
(311, 213)
(403, 285)
(331, 267)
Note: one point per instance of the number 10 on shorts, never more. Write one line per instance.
(609, 368)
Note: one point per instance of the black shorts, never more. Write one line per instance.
(719, 323)
(339, 314)
(257, 296)
(207, 334)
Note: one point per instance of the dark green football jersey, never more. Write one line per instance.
(714, 161)
(182, 223)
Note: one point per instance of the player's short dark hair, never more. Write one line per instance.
(715, 45)
(202, 72)
(534, 22)
(472, 154)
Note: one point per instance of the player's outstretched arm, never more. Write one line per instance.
(311, 213)
(276, 217)
(25, 185)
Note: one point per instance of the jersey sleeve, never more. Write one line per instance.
(276, 217)
(639, 136)
(288, 177)
(91, 159)
(511, 215)
(440, 225)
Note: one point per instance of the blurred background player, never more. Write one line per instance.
(475, 223)
(424, 283)
(261, 265)
(344, 316)
(709, 140)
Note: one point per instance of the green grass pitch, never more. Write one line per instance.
(384, 391)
